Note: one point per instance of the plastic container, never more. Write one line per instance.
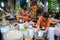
(39, 34)
(31, 32)
(51, 33)
(20, 36)
(5, 29)
(21, 26)
(24, 32)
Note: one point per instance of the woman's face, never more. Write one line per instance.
(45, 19)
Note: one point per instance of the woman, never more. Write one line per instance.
(43, 22)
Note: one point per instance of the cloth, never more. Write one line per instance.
(34, 9)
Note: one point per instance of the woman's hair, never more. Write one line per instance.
(45, 14)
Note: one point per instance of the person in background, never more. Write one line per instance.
(43, 21)
(25, 17)
(22, 3)
(40, 4)
(34, 9)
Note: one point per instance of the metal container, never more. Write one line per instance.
(39, 34)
